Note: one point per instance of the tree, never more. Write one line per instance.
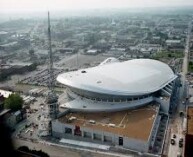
(33, 152)
(169, 55)
(14, 102)
(31, 52)
(32, 67)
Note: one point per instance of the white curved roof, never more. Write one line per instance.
(133, 77)
(109, 61)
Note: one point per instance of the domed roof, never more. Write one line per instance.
(109, 60)
(133, 77)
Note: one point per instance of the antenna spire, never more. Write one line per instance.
(50, 69)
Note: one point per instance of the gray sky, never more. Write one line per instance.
(44, 5)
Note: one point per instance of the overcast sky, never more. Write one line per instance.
(43, 5)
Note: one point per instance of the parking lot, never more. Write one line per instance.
(41, 78)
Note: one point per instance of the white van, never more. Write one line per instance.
(179, 154)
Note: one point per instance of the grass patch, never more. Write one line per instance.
(167, 55)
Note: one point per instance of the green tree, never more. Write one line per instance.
(14, 102)
(169, 55)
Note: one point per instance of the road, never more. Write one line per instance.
(185, 61)
(174, 149)
(65, 151)
(176, 125)
(177, 129)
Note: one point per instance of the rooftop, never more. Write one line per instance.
(129, 123)
(3, 32)
(3, 112)
(173, 41)
(190, 121)
(133, 77)
(5, 93)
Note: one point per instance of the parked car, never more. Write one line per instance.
(173, 141)
(181, 140)
(179, 154)
(180, 144)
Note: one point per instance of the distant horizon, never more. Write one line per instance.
(90, 12)
(25, 6)
(133, 9)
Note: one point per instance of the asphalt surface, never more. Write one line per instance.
(177, 122)
(63, 151)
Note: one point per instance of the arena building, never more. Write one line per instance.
(113, 102)
(116, 86)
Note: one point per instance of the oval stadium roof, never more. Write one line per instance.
(109, 61)
(133, 77)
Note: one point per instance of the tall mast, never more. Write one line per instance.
(51, 101)
(50, 69)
